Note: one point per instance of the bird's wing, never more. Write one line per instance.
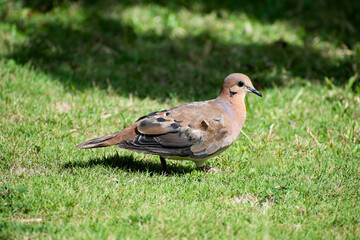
(195, 130)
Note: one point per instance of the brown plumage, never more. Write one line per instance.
(194, 131)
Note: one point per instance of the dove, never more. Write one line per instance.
(194, 131)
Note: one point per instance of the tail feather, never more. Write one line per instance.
(111, 139)
(98, 142)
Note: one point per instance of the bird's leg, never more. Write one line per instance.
(163, 163)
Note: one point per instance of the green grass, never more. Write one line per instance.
(74, 70)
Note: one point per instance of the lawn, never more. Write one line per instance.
(75, 70)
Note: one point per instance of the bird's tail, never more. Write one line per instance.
(98, 142)
(109, 140)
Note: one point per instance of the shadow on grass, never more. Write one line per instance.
(329, 19)
(107, 53)
(130, 164)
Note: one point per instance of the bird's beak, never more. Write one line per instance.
(253, 90)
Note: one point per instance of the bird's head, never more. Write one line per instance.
(236, 85)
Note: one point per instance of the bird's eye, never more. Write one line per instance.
(241, 83)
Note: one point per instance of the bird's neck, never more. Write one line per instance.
(236, 108)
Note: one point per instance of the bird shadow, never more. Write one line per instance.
(129, 164)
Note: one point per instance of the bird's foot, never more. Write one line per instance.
(210, 169)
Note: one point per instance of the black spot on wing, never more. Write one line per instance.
(175, 125)
(160, 119)
(178, 121)
(167, 114)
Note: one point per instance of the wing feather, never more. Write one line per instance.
(184, 131)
